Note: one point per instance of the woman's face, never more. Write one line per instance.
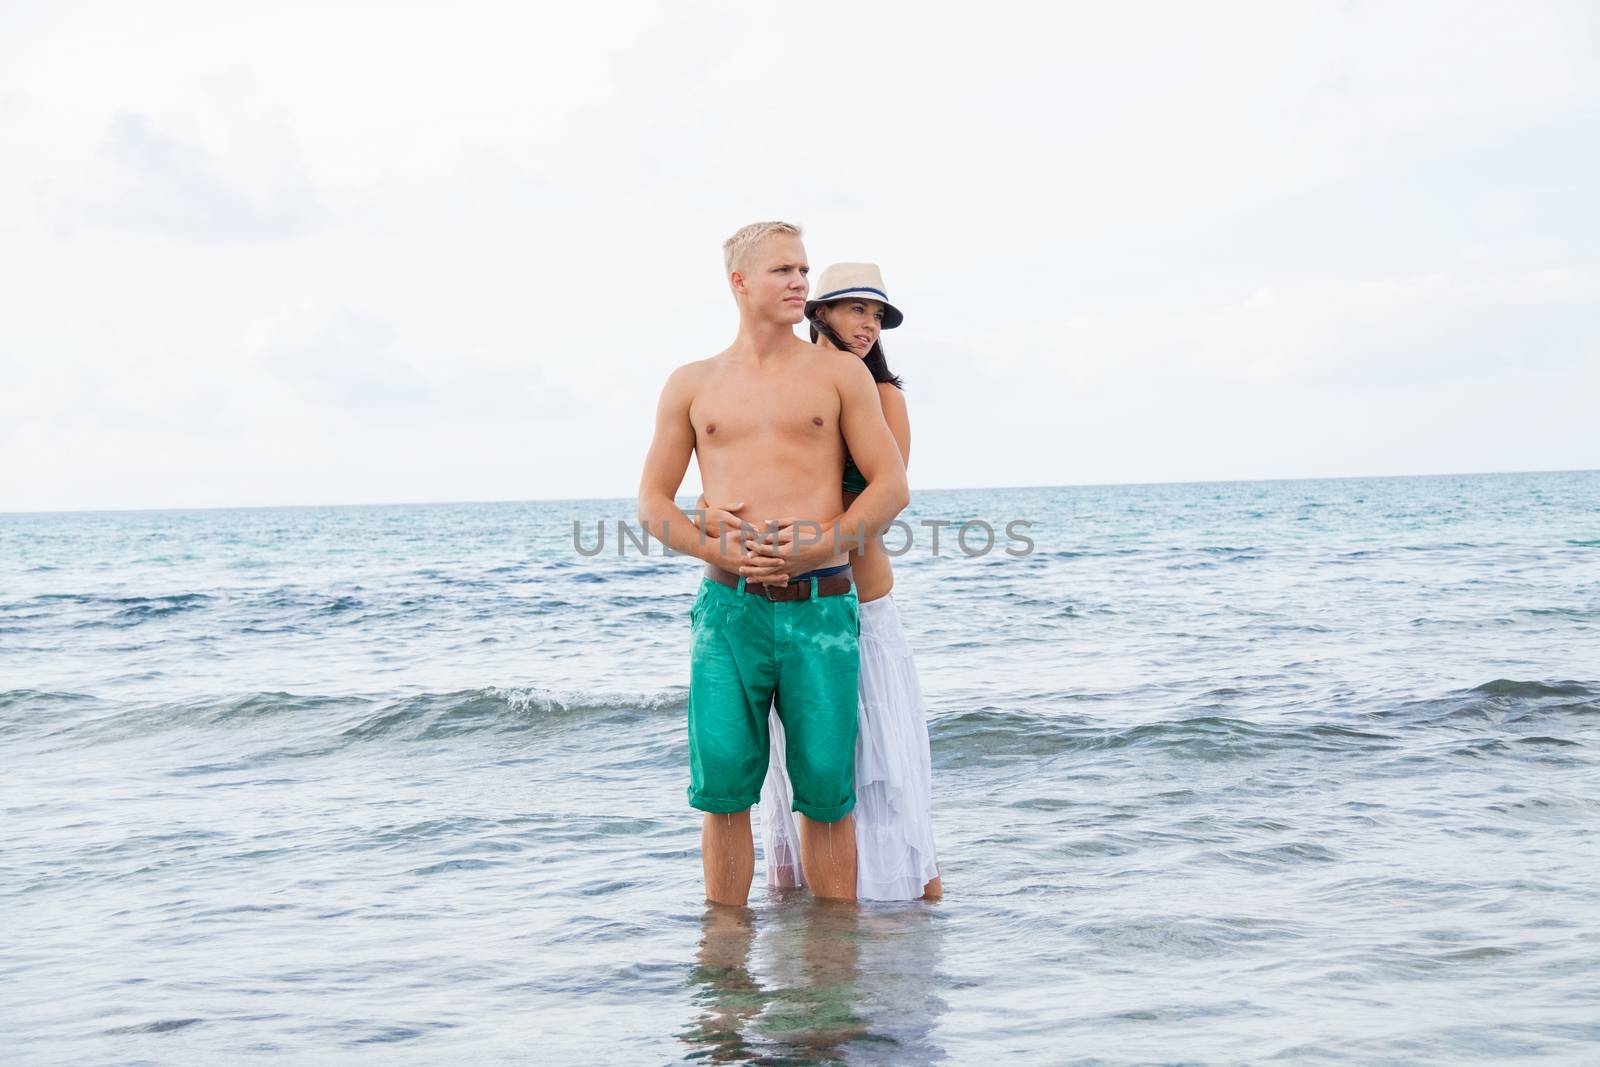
(857, 322)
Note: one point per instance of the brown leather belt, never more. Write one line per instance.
(797, 589)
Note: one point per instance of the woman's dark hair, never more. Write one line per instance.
(874, 357)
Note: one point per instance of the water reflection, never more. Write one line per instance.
(725, 991)
(814, 982)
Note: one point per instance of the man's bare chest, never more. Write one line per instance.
(743, 415)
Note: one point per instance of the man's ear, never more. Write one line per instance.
(736, 280)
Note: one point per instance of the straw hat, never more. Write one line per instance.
(864, 281)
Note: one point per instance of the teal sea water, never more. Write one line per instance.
(1300, 772)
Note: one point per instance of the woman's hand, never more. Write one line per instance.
(713, 521)
(791, 546)
(716, 520)
(733, 554)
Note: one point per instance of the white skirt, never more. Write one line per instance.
(894, 778)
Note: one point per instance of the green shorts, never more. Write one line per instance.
(749, 652)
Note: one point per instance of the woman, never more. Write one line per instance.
(895, 858)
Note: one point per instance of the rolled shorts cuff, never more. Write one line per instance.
(721, 805)
(831, 814)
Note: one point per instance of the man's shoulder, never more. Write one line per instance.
(844, 369)
(687, 375)
(698, 366)
(833, 360)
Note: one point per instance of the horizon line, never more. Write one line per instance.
(930, 489)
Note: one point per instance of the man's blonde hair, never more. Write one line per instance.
(747, 237)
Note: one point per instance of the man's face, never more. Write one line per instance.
(775, 279)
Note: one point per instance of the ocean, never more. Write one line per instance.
(1293, 771)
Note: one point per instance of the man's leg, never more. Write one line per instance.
(817, 701)
(729, 857)
(731, 676)
(828, 856)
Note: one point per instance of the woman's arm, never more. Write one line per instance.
(712, 521)
(899, 420)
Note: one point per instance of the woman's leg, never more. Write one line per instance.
(780, 836)
(894, 818)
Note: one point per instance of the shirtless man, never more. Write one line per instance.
(769, 419)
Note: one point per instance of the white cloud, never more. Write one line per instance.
(446, 244)
(152, 181)
(347, 359)
(342, 359)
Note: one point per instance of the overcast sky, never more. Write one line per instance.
(359, 252)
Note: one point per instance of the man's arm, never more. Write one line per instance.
(876, 452)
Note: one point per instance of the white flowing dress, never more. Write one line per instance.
(894, 779)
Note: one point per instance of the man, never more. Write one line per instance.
(769, 419)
